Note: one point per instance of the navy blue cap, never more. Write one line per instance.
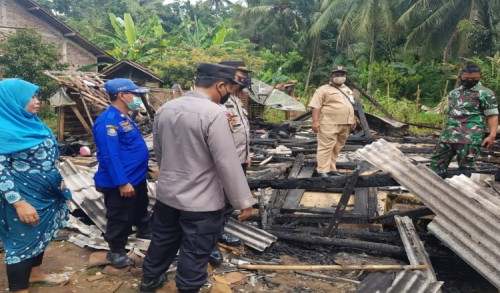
(118, 85)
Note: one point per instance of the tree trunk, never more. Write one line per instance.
(372, 59)
(316, 41)
(388, 96)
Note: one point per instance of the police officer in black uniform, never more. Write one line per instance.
(123, 162)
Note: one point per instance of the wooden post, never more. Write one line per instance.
(418, 97)
(87, 110)
(331, 230)
(60, 123)
(80, 117)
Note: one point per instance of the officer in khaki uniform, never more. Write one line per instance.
(332, 119)
(197, 161)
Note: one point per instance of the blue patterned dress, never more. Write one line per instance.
(31, 175)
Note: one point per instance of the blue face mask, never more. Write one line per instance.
(135, 104)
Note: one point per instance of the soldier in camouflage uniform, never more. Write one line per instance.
(471, 107)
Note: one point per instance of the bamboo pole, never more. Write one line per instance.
(332, 267)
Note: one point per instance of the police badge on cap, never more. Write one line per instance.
(339, 68)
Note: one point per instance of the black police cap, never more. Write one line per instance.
(216, 71)
(239, 64)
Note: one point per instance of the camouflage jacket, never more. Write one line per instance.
(466, 117)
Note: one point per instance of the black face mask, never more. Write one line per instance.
(247, 82)
(224, 98)
(469, 83)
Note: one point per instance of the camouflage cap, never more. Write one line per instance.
(339, 68)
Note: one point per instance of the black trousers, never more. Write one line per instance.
(18, 274)
(195, 233)
(124, 212)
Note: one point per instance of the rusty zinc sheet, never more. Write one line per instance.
(468, 221)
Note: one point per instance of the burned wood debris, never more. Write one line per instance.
(368, 222)
(361, 211)
(381, 204)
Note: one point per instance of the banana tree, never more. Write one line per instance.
(143, 43)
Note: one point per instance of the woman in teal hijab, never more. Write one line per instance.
(32, 196)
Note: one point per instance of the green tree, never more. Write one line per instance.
(274, 24)
(181, 65)
(451, 27)
(143, 43)
(25, 55)
(358, 21)
(364, 21)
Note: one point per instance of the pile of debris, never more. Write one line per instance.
(386, 189)
(371, 209)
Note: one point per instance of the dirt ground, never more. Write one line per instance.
(66, 257)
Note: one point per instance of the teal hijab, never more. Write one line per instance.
(19, 129)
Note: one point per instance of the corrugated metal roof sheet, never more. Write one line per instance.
(415, 249)
(91, 202)
(405, 281)
(86, 197)
(467, 221)
(250, 235)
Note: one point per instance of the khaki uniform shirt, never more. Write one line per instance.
(240, 126)
(197, 157)
(335, 107)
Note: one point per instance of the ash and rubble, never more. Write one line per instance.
(388, 209)
(323, 221)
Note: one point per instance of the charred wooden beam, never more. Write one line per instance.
(414, 247)
(347, 218)
(362, 118)
(377, 105)
(355, 244)
(331, 230)
(415, 213)
(280, 197)
(321, 184)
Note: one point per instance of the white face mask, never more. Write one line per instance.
(339, 80)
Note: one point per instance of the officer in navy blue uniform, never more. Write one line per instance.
(123, 162)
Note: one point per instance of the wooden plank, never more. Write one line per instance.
(341, 206)
(60, 123)
(294, 196)
(362, 119)
(324, 200)
(279, 198)
(88, 113)
(365, 202)
(324, 184)
(297, 166)
(415, 250)
(80, 117)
